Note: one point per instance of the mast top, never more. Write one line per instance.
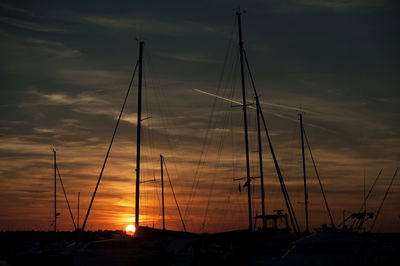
(239, 11)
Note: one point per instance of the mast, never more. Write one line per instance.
(139, 120)
(304, 171)
(162, 192)
(365, 205)
(261, 163)
(77, 219)
(55, 190)
(65, 196)
(289, 206)
(319, 180)
(246, 137)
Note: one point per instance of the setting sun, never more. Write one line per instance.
(130, 229)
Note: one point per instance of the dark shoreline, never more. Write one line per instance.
(155, 247)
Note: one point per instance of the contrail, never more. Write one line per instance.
(287, 107)
(270, 104)
(222, 98)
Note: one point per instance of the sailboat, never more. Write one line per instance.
(138, 228)
(278, 216)
(261, 123)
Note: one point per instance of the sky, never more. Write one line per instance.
(65, 68)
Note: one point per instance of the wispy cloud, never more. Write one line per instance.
(63, 98)
(10, 7)
(45, 42)
(190, 57)
(342, 5)
(152, 26)
(29, 25)
(98, 78)
(44, 130)
(133, 24)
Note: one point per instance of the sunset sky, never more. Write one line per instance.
(65, 68)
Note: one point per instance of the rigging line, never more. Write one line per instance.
(370, 190)
(65, 195)
(219, 151)
(165, 124)
(211, 123)
(151, 86)
(319, 180)
(173, 192)
(226, 205)
(289, 205)
(214, 122)
(150, 110)
(368, 195)
(109, 147)
(384, 198)
(202, 154)
(229, 91)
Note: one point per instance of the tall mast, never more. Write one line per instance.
(55, 190)
(139, 120)
(246, 137)
(365, 205)
(304, 172)
(162, 192)
(261, 163)
(77, 219)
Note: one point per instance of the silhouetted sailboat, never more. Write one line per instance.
(244, 65)
(139, 66)
(279, 215)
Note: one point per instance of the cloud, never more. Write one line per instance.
(29, 25)
(45, 42)
(133, 24)
(52, 48)
(190, 57)
(152, 26)
(97, 78)
(12, 8)
(44, 130)
(341, 5)
(63, 98)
